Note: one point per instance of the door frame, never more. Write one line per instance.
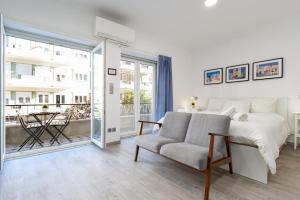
(137, 63)
(2, 95)
(102, 143)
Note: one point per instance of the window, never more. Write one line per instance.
(85, 99)
(136, 93)
(41, 70)
(76, 99)
(21, 100)
(57, 99)
(46, 98)
(27, 99)
(40, 98)
(63, 99)
(80, 97)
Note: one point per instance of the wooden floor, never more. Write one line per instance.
(88, 173)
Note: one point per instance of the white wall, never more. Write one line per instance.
(76, 21)
(280, 39)
(181, 67)
(112, 107)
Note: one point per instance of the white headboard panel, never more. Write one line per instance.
(282, 107)
(281, 103)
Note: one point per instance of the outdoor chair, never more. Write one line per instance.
(32, 129)
(60, 125)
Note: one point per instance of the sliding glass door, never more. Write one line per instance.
(128, 96)
(146, 93)
(97, 83)
(2, 75)
(137, 90)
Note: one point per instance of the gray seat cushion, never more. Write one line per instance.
(153, 142)
(175, 125)
(202, 124)
(189, 154)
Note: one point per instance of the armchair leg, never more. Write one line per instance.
(136, 153)
(230, 168)
(228, 153)
(207, 184)
(209, 167)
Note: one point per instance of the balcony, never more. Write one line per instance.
(44, 56)
(128, 119)
(24, 83)
(35, 83)
(77, 130)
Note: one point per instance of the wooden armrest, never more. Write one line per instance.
(219, 134)
(149, 122)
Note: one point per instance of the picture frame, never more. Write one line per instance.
(267, 69)
(237, 73)
(112, 71)
(213, 76)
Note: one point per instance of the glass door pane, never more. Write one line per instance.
(2, 73)
(146, 92)
(97, 120)
(127, 97)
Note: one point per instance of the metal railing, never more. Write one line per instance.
(129, 108)
(128, 119)
(78, 111)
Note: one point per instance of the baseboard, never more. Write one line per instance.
(113, 143)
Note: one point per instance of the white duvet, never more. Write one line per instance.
(268, 131)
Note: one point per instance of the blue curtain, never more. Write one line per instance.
(164, 87)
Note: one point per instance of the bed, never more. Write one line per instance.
(255, 143)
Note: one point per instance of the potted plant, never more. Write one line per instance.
(45, 108)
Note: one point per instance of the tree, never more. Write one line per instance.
(145, 98)
(128, 97)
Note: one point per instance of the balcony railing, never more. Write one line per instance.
(78, 111)
(77, 130)
(128, 108)
(128, 120)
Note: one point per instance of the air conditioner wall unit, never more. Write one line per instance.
(114, 31)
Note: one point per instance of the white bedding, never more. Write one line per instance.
(268, 131)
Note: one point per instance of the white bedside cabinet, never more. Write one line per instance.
(296, 133)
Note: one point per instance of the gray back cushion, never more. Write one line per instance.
(203, 124)
(175, 125)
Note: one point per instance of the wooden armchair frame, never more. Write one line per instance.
(210, 163)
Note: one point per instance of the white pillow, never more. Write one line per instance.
(229, 112)
(241, 106)
(215, 104)
(263, 105)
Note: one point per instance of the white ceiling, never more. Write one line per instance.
(188, 23)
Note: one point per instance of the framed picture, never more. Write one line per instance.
(268, 69)
(237, 73)
(213, 76)
(112, 71)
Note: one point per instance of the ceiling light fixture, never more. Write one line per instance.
(210, 3)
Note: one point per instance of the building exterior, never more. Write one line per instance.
(39, 73)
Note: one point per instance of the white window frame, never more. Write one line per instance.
(137, 62)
